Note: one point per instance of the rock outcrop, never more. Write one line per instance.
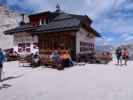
(8, 19)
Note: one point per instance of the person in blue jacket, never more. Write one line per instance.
(2, 57)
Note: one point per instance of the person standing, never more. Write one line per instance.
(119, 55)
(1, 63)
(125, 55)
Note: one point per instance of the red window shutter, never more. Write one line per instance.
(20, 50)
(28, 50)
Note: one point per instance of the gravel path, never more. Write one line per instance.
(81, 82)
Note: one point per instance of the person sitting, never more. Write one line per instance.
(55, 57)
(66, 59)
(35, 60)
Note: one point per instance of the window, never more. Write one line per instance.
(35, 45)
(27, 49)
(27, 44)
(42, 21)
(24, 47)
(84, 49)
(20, 50)
(20, 45)
(85, 46)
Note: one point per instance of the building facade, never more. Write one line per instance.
(55, 31)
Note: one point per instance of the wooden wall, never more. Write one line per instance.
(35, 20)
(54, 41)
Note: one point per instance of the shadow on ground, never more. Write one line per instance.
(10, 78)
(5, 86)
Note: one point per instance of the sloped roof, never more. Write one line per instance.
(62, 16)
(69, 23)
(66, 22)
(22, 28)
(62, 22)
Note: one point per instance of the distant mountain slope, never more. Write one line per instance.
(104, 48)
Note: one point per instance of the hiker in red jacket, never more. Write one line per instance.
(125, 55)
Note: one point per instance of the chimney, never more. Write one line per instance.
(22, 17)
(23, 20)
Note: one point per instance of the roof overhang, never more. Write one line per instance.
(59, 30)
(90, 29)
(19, 29)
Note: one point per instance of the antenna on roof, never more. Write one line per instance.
(58, 8)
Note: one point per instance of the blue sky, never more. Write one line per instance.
(112, 18)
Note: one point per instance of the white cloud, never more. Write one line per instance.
(104, 41)
(98, 7)
(118, 26)
(125, 35)
(129, 38)
(11, 2)
(39, 5)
